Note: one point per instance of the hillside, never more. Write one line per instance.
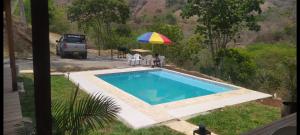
(23, 40)
(278, 19)
(278, 22)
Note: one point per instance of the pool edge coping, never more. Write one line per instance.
(183, 113)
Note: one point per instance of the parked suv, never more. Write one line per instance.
(71, 44)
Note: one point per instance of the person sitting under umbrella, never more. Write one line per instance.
(156, 61)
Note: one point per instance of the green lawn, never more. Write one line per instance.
(238, 119)
(62, 88)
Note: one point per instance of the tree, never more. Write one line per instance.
(184, 52)
(220, 21)
(123, 30)
(27, 11)
(57, 19)
(77, 116)
(123, 37)
(100, 13)
(22, 13)
(173, 32)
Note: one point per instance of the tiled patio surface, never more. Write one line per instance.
(12, 114)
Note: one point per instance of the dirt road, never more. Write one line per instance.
(75, 64)
(93, 61)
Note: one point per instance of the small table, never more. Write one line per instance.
(197, 132)
(140, 51)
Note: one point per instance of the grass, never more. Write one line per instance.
(62, 88)
(118, 128)
(238, 119)
(269, 55)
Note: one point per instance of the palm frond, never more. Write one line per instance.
(88, 112)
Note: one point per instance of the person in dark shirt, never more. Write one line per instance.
(156, 61)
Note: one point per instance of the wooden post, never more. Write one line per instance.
(41, 66)
(9, 31)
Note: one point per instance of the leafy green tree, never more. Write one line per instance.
(123, 30)
(184, 52)
(173, 32)
(101, 14)
(124, 36)
(51, 9)
(27, 8)
(220, 21)
(77, 116)
(57, 19)
(235, 66)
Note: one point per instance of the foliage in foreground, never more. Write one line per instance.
(61, 88)
(238, 119)
(79, 116)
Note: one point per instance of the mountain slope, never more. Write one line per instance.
(278, 21)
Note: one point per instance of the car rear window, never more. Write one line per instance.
(74, 39)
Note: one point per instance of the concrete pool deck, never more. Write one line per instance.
(138, 114)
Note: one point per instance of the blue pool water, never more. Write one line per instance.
(160, 86)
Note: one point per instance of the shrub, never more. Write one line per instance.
(204, 62)
(271, 73)
(235, 66)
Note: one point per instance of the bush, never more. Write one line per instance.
(271, 74)
(184, 52)
(235, 66)
(204, 62)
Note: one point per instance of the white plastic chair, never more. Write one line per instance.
(137, 58)
(130, 59)
(148, 59)
(162, 60)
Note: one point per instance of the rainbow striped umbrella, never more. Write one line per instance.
(154, 38)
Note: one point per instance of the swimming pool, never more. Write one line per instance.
(161, 86)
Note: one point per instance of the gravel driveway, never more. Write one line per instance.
(76, 64)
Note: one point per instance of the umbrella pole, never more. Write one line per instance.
(152, 49)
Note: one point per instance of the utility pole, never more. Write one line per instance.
(7, 7)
